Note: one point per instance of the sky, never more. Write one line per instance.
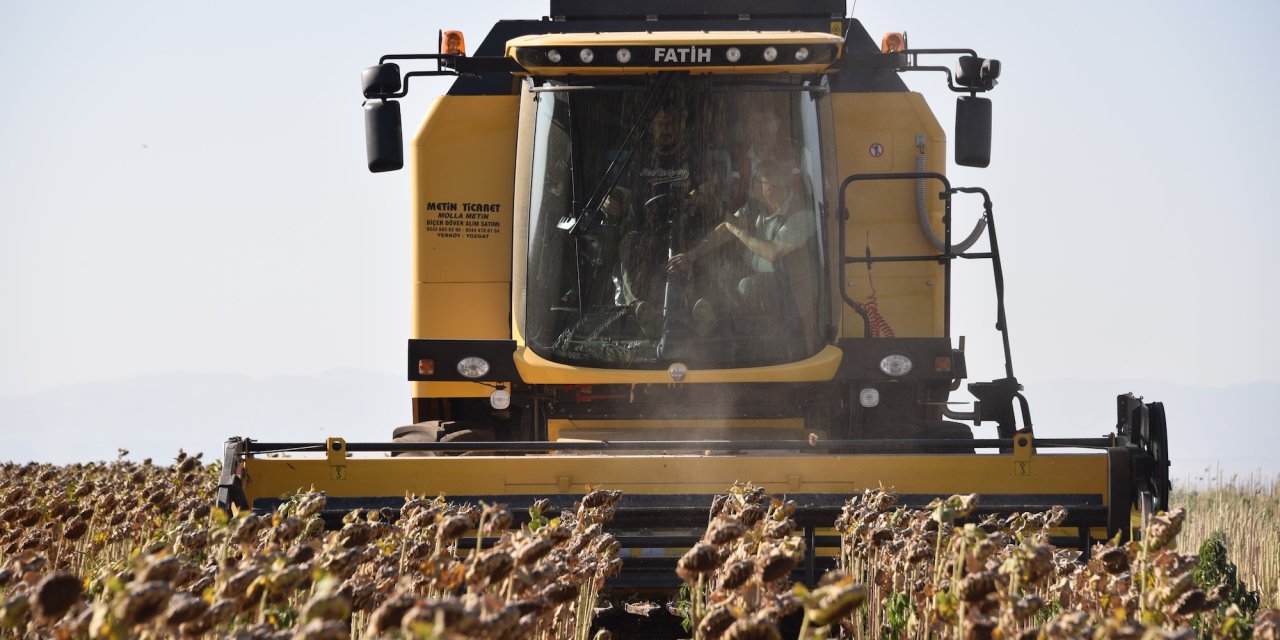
(182, 186)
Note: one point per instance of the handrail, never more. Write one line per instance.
(945, 257)
(844, 217)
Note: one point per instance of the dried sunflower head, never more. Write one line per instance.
(498, 521)
(557, 534)
(751, 514)
(235, 588)
(702, 558)
(752, 629)
(452, 527)
(75, 529)
(55, 594)
(776, 566)
(724, 529)
(601, 498)
(388, 616)
(1163, 528)
(976, 586)
(780, 529)
(356, 534)
(533, 551)
(142, 603)
(184, 607)
(714, 624)
(736, 574)
(834, 602)
(493, 566)
(323, 630)
(330, 606)
(560, 592)
(160, 568)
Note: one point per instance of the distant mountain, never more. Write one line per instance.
(155, 415)
(1228, 430)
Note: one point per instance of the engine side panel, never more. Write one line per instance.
(463, 162)
(877, 133)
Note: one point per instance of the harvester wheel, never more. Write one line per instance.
(473, 434)
(1146, 507)
(944, 430)
(915, 437)
(439, 431)
(1157, 442)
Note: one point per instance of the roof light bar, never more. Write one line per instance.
(677, 56)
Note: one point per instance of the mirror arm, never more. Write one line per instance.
(447, 65)
(973, 91)
(909, 55)
(905, 60)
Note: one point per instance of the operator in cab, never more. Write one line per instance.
(669, 194)
(773, 230)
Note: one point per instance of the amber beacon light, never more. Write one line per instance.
(452, 42)
(893, 42)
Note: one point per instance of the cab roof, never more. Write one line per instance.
(659, 10)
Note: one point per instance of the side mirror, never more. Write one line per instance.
(973, 131)
(380, 80)
(383, 137)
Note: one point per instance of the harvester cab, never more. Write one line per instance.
(662, 249)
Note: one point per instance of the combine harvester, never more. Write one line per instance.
(664, 246)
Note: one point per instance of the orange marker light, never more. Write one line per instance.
(942, 363)
(426, 367)
(893, 42)
(451, 42)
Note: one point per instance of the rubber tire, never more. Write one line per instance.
(421, 432)
(943, 430)
(478, 434)
(1158, 444)
(440, 431)
(920, 433)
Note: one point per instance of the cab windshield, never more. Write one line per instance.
(676, 222)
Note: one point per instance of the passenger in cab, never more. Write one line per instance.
(772, 230)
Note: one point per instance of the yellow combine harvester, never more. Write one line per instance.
(661, 249)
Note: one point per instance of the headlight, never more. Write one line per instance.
(802, 54)
(895, 365)
(733, 54)
(624, 56)
(475, 367)
(770, 54)
(553, 56)
(869, 397)
(586, 56)
(500, 399)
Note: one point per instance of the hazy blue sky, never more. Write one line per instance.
(182, 186)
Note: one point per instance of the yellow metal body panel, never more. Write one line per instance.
(463, 158)
(462, 310)
(675, 38)
(877, 133)
(535, 369)
(1068, 474)
(451, 390)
